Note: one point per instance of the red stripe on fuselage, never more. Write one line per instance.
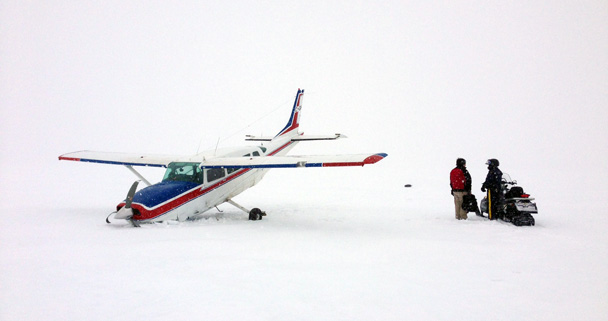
(280, 148)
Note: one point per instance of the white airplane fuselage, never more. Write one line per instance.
(179, 200)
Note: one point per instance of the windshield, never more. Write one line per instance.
(507, 179)
(184, 172)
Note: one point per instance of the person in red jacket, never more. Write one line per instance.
(460, 182)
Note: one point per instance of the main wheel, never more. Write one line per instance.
(255, 214)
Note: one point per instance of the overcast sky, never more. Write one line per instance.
(424, 81)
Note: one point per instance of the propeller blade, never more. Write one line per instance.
(130, 195)
(125, 213)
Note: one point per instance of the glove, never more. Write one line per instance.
(483, 189)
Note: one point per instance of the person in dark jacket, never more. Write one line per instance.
(494, 187)
(460, 182)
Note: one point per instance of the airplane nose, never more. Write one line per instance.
(124, 213)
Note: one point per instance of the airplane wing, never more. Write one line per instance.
(293, 161)
(128, 159)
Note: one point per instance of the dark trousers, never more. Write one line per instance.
(494, 200)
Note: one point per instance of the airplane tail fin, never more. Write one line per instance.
(293, 124)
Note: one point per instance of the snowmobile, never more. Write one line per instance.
(515, 206)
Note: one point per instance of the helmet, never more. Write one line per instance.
(493, 162)
(460, 162)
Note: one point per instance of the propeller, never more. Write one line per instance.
(125, 212)
(130, 194)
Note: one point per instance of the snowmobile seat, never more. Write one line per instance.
(515, 191)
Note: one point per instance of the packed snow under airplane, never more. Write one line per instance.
(194, 184)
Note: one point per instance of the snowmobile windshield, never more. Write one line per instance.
(183, 172)
(507, 179)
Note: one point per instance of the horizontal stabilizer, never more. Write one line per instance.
(298, 138)
(258, 138)
(120, 158)
(318, 137)
(294, 161)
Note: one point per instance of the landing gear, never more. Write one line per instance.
(255, 214)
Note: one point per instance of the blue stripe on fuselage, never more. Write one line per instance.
(162, 192)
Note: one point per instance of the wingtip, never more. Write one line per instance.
(69, 158)
(374, 158)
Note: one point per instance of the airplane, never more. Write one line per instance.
(195, 184)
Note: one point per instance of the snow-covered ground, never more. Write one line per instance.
(424, 81)
(322, 253)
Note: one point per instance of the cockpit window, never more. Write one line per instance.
(183, 172)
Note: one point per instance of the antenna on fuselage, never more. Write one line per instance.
(199, 145)
(216, 144)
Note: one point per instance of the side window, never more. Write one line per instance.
(215, 174)
(256, 153)
(231, 170)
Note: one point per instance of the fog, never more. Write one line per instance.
(526, 83)
(425, 83)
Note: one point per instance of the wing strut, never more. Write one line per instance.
(138, 174)
(233, 203)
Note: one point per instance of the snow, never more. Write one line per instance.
(348, 255)
(425, 82)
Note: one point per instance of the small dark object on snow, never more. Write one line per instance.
(469, 203)
(408, 185)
